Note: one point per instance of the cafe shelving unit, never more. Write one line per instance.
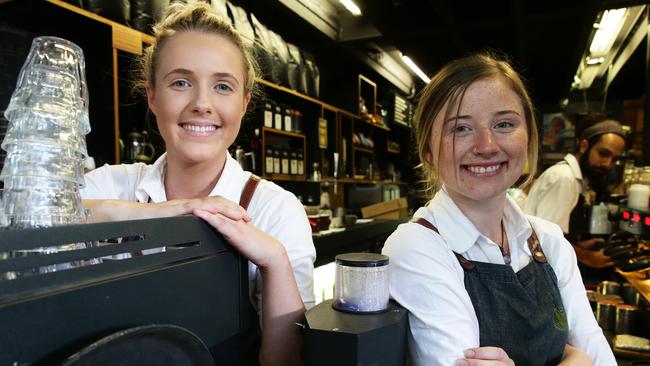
(110, 49)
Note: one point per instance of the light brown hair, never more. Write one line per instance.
(447, 87)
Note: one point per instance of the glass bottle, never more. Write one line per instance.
(277, 117)
(301, 163)
(297, 121)
(268, 115)
(268, 162)
(276, 161)
(293, 164)
(285, 162)
(287, 119)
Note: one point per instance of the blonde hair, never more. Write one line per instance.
(449, 85)
(199, 17)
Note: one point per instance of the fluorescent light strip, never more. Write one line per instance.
(610, 24)
(351, 6)
(407, 60)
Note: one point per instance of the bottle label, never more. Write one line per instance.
(294, 166)
(278, 121)
(269, 164)
(268, 119)
(287, 123)
(285, 166)
(301, 167)
(276, 165)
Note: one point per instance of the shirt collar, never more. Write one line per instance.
(229, 185)
(232, 180)
(460, 234)
(152, 183)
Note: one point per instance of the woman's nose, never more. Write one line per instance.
(201, 101)
(485, 142)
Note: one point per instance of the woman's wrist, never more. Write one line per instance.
(275, 262)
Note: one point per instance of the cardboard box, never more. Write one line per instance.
(391, 210)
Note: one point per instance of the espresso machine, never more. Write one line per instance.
(630, 248)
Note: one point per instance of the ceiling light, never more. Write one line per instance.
(610, 24)
(351, 6)
(415, 69)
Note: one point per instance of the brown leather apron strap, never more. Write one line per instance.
(468, 265)
(249, 191)
(536, 248)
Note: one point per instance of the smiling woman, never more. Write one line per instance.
(199, 78)
(478, 263)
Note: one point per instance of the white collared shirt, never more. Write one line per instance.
(426, 278)
(273, 210)
(555, 193)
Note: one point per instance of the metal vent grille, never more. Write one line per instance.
(3, 130)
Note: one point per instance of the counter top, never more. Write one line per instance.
(359, 237)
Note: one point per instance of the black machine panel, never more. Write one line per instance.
(53, 305)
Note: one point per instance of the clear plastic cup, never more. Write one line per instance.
(43, 162)
(3, 217)
(37, 202)
(49, 85)
(41, 221)
(61, 114)
(55, 139)
(52, 81)
(40, 182)
(58, 55)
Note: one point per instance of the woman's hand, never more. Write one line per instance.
(575, 356)
(211, 204)
(486, 356)
(260, 248)
(120, 210)
(281, 302)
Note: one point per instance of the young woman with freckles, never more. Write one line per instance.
(484, 283)
(199, 77)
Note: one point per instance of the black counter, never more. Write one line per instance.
(357, 238)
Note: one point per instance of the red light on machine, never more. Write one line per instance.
(636, 217)
(646, 221)
(626, 215)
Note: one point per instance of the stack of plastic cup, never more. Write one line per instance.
(45, 140)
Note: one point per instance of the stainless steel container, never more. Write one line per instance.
(625, 318)
(606, 315)
(609, 287)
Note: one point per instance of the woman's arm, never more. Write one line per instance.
(282, 306)
(120, 210)
(426, 279)
(574, 356)
(584, 332)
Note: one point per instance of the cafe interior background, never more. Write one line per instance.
(340, 83)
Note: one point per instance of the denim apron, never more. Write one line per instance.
(520, 312)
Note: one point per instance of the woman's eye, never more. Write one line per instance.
(180, 83)
(223, 88)
(504, 124)
(461, 129)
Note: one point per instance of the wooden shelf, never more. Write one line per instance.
(362, 181)
(296, 94)
(363, 149)
(401, 125)
(285, 177)
(393, 151)
(282, 132)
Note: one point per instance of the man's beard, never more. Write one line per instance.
(598, 177)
